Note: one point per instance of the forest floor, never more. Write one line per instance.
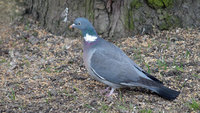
(41, 72)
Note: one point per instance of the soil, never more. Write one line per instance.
(41, 72)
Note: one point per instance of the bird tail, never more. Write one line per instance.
(159, 88)
(156, 87)
(166, 93)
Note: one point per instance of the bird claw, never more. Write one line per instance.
(108, 95)
(105, 90)
(111, 92)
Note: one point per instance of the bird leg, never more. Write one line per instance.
(105, 90)
(111, 92)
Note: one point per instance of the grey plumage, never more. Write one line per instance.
(110, 65)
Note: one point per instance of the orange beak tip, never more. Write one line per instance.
(70, 26)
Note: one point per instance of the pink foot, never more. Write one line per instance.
(111, 92)
(105, 90)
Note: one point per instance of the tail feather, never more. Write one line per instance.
(166, 93)
(152, 77)
(158, 88)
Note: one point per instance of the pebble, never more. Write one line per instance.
(13, 65)
(33, 40)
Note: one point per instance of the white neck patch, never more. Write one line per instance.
(89, 38)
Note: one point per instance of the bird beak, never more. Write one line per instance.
(71, 26)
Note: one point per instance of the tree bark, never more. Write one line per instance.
(115, 18)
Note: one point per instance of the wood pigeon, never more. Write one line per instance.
(110, 65)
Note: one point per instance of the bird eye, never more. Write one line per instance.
(79, 23)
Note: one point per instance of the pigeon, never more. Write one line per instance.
(108, 64)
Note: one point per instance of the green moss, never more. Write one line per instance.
(89, 9)
(157, 4)
(170, 21)
(135, 4)
(129, 23)
(167, 3)
(126, 20)
(164, 26)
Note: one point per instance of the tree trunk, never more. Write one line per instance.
(116, 18)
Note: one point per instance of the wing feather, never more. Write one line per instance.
(112, 68)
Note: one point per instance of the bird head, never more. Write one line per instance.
(84, 25)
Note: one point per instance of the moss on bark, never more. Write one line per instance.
(129, 21)
(89, 9)
(170, 21)
(157, 4)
